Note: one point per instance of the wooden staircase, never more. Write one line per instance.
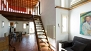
(42, 40)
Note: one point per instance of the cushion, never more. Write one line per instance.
(78, 46)
(83, 40)
(68, 49)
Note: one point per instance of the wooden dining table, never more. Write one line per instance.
(18, 35)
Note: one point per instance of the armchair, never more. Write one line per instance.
(78, 44)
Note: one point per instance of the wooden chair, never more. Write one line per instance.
(19, 36)
(13, 36)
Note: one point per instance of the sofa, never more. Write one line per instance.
(78, 44)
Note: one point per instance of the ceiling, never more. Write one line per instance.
(23, 3)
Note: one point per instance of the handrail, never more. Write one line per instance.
(36, 34)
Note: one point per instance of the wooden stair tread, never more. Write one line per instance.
(45, 49)
(43, 42)
(43, 36)
(40, 33)
(39, 25)
(40, 30)
(36, 16)
(37, 22)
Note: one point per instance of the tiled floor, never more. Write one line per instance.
(28, 43)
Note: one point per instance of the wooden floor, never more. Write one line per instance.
(28, 43)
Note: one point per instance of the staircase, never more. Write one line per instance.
(42, 40)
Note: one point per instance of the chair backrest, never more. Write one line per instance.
(85, 41)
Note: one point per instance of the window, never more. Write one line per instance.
(24, 26)
(2, 24)
(64, 23)
(62, 3)
(14, 25)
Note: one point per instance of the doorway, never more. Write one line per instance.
(31, 27)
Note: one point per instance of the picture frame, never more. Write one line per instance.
(85, 23)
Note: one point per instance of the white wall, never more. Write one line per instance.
(48, 12)
(19, 26)
(58, 3)
(5, 29)
(75, 20)
(59, 35)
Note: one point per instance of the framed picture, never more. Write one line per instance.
(85, 23)
(2, 24)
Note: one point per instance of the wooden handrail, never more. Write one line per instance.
(36, 34)
(62, 8)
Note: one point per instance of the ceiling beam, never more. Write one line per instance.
(19, 19)
(15, 14)
(10, 16)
